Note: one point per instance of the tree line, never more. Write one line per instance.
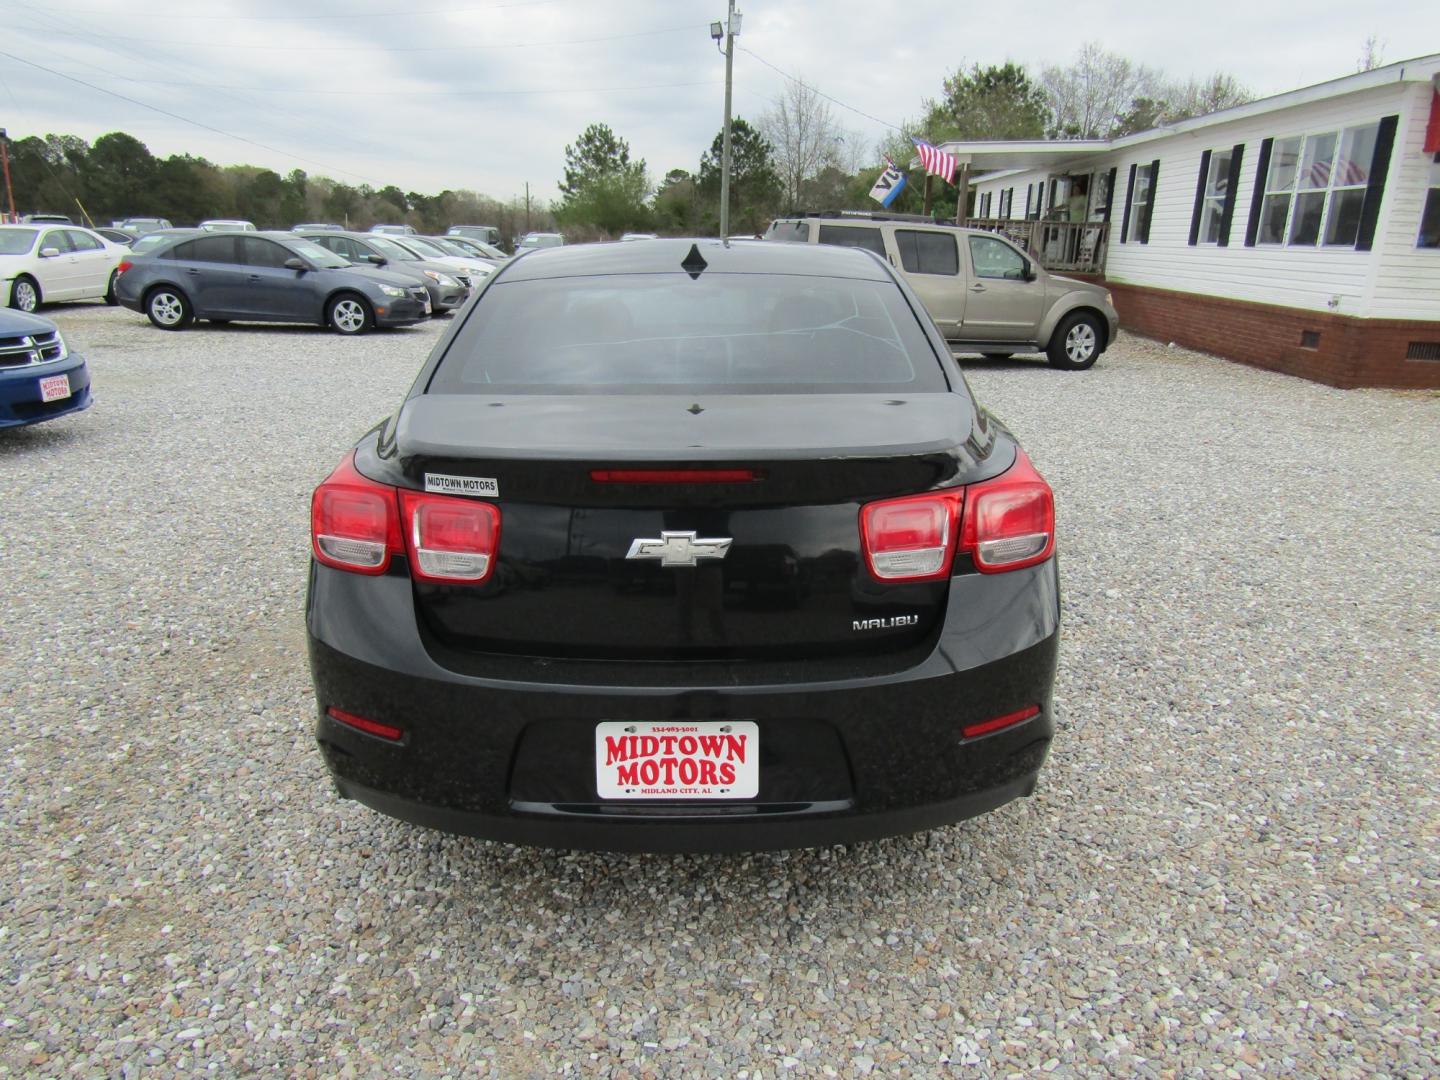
(116, 177)
(795, 155)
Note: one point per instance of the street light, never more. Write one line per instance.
(729, 31)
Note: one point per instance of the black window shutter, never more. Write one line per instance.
(1150, 202)
(1029, 194)
(1375, 190)
(1257, 199)
(1199, 198)
(1232, 185)
(1129, 198)
(1109, 195)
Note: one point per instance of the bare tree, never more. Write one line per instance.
(803, 131)
(1197, 98)
(1372, 54)
(1087, 98)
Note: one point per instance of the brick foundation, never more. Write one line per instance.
(1349, 353)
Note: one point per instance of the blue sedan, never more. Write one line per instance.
(40, 378)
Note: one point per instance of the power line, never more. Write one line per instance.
(186, 119)
(821, 93)
(271, 47)
(387, 14)
(153, 58)
(447, 92)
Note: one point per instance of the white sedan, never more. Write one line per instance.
(42, 264)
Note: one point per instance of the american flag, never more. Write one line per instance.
(1351, 174)
(936, 162)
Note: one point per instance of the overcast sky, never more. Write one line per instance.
(485, 94)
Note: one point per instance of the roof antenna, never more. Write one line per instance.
(694, 262)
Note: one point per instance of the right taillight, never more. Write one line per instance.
(354, 522)
(1009, 521)
(124, 264)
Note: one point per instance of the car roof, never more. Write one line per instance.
(900, 221)
(666, 255)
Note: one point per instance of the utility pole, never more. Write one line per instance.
(527, 206)
(5, 164)
(730, 32)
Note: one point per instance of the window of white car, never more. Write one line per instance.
(17, 241)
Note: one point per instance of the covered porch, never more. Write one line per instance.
(1064, 219)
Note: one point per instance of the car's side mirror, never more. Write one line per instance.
(377, 260)
(49, 253)
(296, 263)
(1030, 272)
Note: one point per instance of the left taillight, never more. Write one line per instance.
(450, 538)
(354, 521)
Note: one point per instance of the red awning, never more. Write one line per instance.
(1432, 131)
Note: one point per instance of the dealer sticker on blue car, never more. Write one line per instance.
(486, 486)
(55, 388)
(706, 759)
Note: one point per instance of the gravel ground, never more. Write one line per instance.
(1230, 867)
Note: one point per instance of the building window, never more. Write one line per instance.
(1316, 188)
(1140, 200)
(1217, 184)
(1430, 215)
(985, 205)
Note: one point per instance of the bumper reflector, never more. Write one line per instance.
(985, 727)
(361, 723)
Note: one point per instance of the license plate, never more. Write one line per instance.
(706, 759)
(55, 388)
(427, 305)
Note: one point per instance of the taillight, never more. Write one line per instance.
(912, 538)
(1009, 521)
(450, 539)
(354, 522)
(125, 264)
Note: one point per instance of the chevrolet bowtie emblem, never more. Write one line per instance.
(679, 548)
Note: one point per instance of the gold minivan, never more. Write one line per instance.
(985, 294)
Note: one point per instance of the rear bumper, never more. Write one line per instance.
(843, 758)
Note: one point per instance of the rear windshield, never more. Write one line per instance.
(664, 333)
(17, 241)
(789, 232)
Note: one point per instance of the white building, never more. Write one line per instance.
(1300, 232)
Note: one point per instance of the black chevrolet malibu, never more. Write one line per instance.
(682, 547)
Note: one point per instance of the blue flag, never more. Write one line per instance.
(888, 186)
